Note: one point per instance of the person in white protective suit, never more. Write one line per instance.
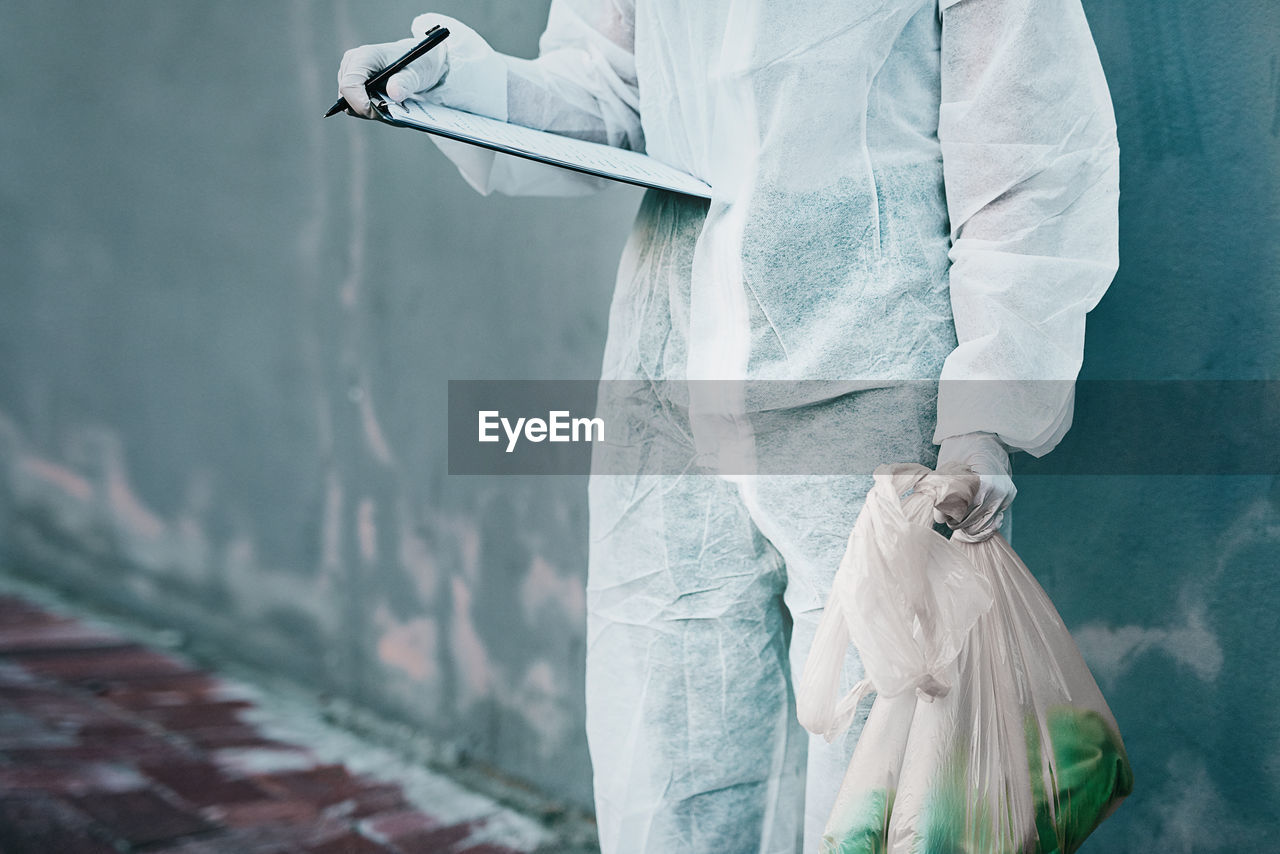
(902, 190)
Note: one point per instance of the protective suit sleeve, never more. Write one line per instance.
(1031, 167)
(582, 84)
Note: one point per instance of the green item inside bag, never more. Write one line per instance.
(870, 826)
(1093, 775)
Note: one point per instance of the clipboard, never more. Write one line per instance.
(591, 158)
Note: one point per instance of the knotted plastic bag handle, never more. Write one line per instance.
(904, 595)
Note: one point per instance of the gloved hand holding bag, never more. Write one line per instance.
(988, 734)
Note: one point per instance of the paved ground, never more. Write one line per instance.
(107, 746)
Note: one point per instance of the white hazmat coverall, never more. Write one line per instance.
(902, 189)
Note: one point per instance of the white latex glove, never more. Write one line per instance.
(988, 458)
(462, 71)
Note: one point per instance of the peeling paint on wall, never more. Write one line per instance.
(468, 648)
(1111, 651)
(409, 646)
(544, 587)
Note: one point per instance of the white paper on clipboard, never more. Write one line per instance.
(605, 161)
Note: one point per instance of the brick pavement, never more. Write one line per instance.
(108, 746)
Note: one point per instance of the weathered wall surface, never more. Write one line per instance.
(1169, 583)
(226, 329)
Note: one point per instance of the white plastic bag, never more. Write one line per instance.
(988, 734)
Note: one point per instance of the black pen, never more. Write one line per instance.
(375, 84)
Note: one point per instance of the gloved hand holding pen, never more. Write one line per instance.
(463, 72)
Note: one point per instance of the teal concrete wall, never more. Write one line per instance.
(226, 329)
(1170, 583)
